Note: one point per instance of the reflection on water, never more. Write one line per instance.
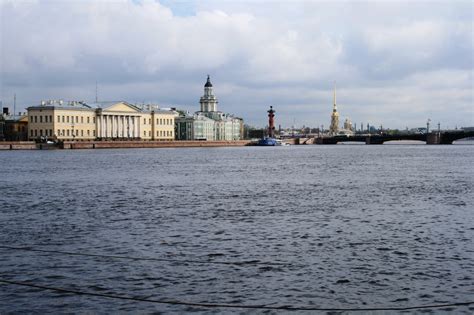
(328, 226)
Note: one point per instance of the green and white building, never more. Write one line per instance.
(209, 123)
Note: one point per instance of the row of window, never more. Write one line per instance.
(75, 119)
(67, 133)
(63, 119)
(159, 121)
(160, 133)
(63, 133)
(41, 118)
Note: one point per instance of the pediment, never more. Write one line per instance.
(122, 107)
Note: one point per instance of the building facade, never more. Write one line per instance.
(99, 121)
(209, 123)
(195, 127)
(16, 128)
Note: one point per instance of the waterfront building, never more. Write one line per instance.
(195, 127)
(209, 123)
(334, 127)
(102, 120)
(16, 127)
(2, 124)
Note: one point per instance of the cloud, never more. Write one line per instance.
(395, 63)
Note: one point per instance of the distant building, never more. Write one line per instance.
(2, 125)
(209, 123)
(102, 120)
(348, 124)
(334, 127)
(15, 127)
(195, 127)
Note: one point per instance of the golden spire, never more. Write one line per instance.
(335, 108)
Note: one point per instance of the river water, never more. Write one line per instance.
(341, 226)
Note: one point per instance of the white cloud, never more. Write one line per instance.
(389, 58)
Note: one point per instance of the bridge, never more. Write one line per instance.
(444, 137)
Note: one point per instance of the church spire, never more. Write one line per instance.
(334, 127)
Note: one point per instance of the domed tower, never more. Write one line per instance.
(208, 100)
(334, 128)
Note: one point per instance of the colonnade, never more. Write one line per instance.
(118, 126)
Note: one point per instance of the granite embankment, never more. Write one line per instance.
(30, 145)
(18, 145)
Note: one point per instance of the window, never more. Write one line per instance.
(63, 118)
(144, 121)
(88, 119)
(82, 133)
(93, 120)
(93, 133)
(67, 132)
(63, 133)
(36, 119)
(157, 121)
(149, 133)
(77, 119)
(50, 118)
(88, 132)
(157, 133)
(59, 118)
(67, 118)
(77, 133)
(161, 121)
(41, 131)
(50, 130)
(82, 120)
(144, 133)
(32, 133)
(41, 119)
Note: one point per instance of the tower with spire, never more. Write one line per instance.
(208, 101)
(334, 127)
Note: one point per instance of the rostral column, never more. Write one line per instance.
(271, 122)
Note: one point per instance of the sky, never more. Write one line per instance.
(394, 63)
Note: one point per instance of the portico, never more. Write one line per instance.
(121, 120)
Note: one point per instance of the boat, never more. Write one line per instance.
(267, 141)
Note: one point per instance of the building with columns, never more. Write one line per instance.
(209, 123)
(102, 120)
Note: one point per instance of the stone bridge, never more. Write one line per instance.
(445, 137)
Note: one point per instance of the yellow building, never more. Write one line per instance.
(99, 121)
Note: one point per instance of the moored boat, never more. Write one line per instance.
(268, 142)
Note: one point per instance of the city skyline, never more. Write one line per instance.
(395, 63)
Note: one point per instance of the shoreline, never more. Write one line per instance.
(76, 145)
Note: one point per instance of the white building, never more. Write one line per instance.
(199, 126)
